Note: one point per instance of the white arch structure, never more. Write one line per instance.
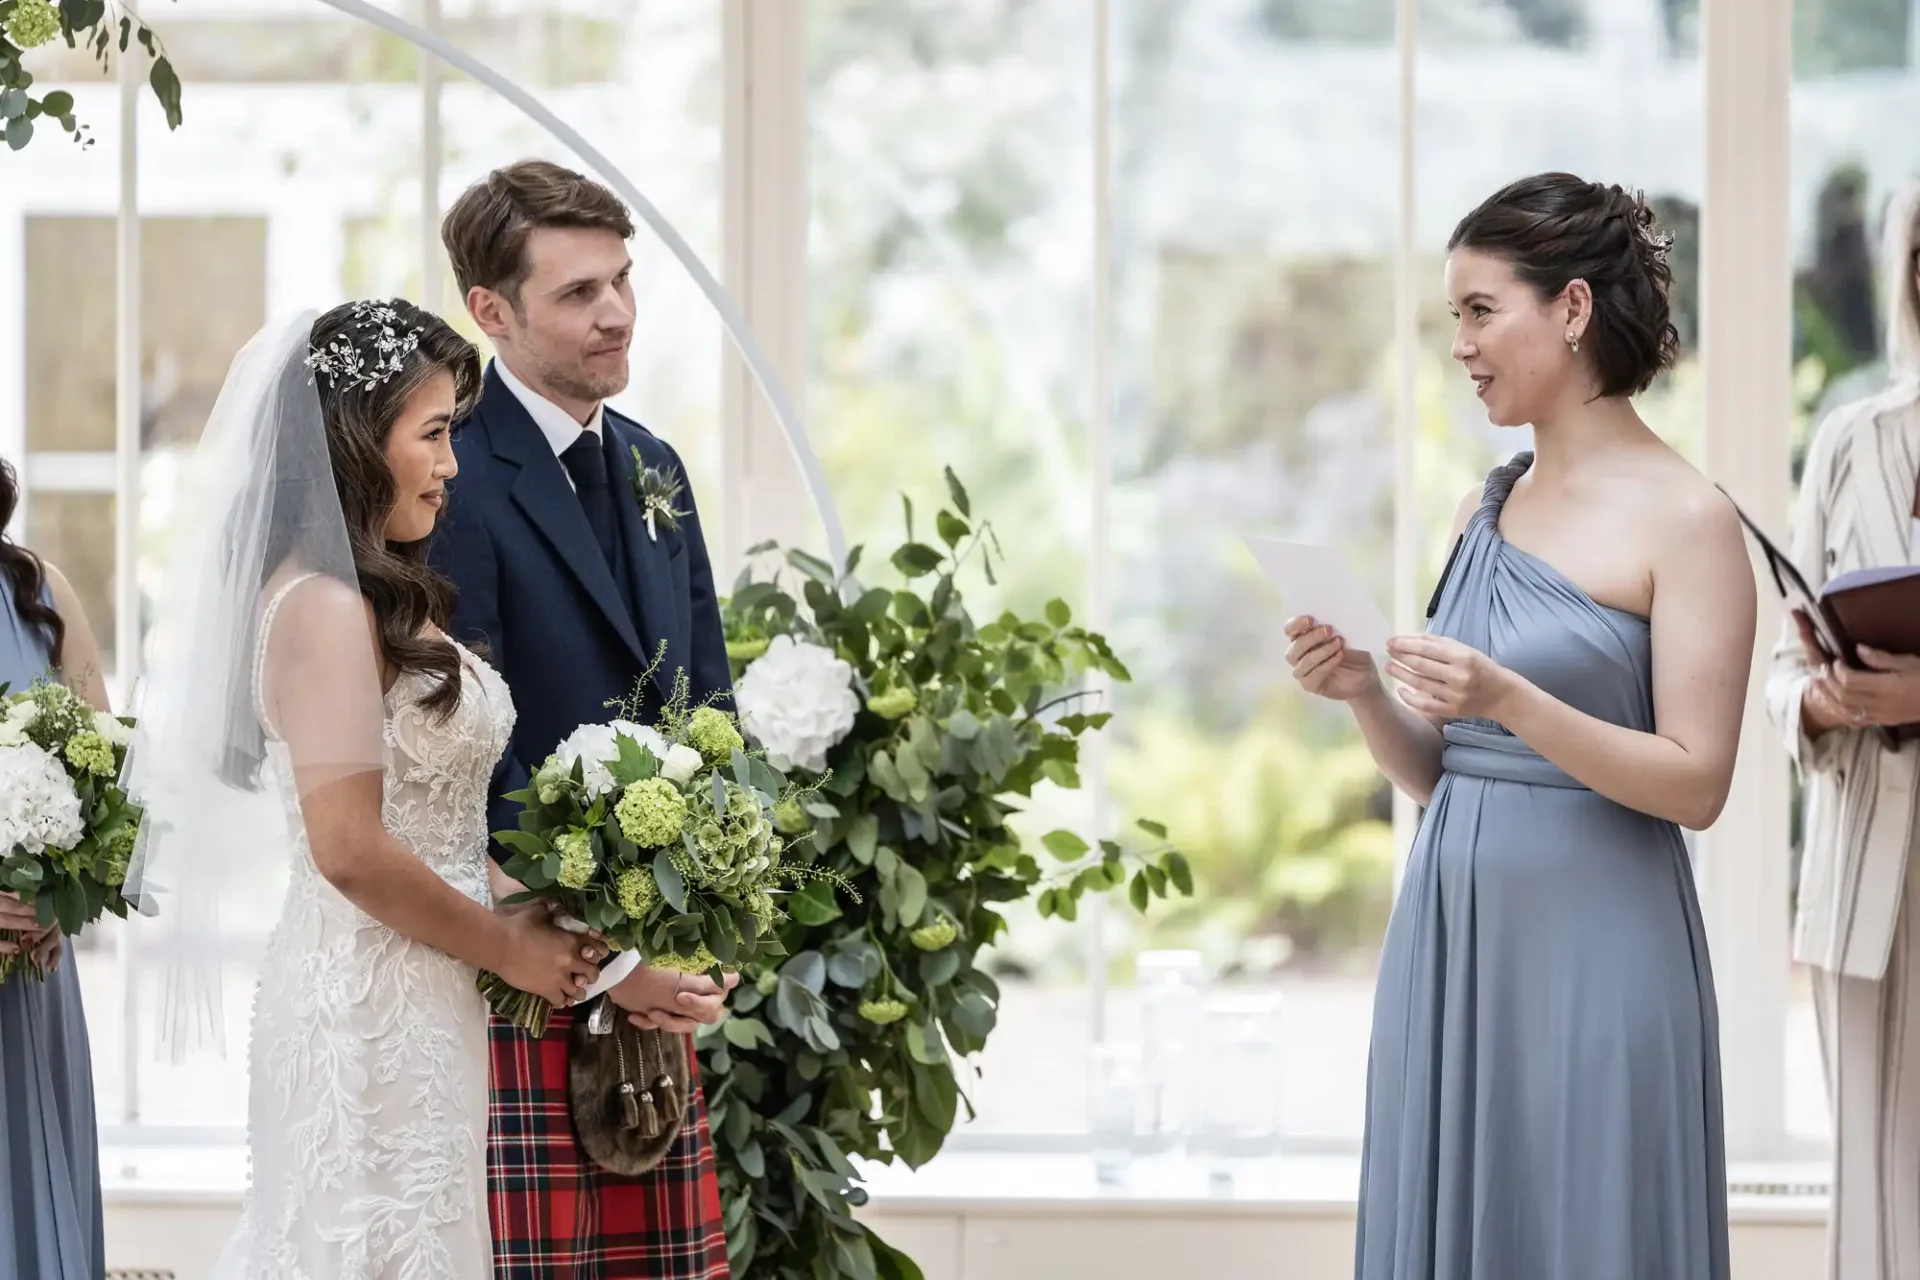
(736, 325)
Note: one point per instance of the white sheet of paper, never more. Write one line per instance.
(1317, 582)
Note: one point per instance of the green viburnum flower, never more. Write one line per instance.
(882, 1012)
(789, 819)
(639, 892)
(935, 936)
(115, 855)
(576, 858)
(894, 703)
(736, 845)
(91, 752)
(701, 961)
(652, 813)
(34, 22)
(765, 914)
(747, 650)
(713, 733)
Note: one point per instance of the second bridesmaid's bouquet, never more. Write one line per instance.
(67, 830)
(663, 838)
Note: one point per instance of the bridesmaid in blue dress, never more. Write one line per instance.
(50, 1219)
(1543, 1090)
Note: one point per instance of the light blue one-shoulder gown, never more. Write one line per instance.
(1543, 1091)
(50, 1215)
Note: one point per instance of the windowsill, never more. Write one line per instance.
(1016, 1185)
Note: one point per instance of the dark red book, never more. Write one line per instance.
(1879, 608)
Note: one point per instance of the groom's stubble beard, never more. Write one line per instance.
(584, 384)
(573, 377)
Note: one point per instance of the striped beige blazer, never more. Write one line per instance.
(1855, 509)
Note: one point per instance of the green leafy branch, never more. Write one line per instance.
(102, 28)
(853, 1044)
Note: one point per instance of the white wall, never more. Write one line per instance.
(1139, 1242)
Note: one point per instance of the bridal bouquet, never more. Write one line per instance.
(66, 827)
(663, 838)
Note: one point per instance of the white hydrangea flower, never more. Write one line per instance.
(797, 701)
(38, 806)
(592, 747)
(597, 746)
(645, 735)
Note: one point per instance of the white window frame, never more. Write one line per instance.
(1746, 60)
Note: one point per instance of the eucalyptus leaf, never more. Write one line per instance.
(938, 968)
(862, 836)
(848, 967)
(809, 969)
(924, 1044)
(672, 888)
(746, 1033)
(913, 894)
(972, 1014)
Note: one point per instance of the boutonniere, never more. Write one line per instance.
(656, 492)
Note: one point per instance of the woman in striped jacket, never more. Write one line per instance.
(1859, 910)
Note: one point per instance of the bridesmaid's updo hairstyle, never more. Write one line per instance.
(26, 575)
(1553, 228)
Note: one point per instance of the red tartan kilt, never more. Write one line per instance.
(557, 1215)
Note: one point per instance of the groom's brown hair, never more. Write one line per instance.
(486, 230)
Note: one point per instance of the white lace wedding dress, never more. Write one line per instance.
(367, 1123)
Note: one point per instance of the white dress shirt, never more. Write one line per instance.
(555, 423)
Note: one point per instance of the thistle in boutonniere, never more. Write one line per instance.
(656, 491)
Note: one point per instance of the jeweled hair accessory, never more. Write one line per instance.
(375, 353)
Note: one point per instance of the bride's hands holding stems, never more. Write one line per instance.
(545, 960)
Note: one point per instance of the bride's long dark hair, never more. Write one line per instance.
(26, 573)
(406, 594)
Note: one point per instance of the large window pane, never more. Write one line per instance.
(947, 276)
(1255, 376)
(1854, 67)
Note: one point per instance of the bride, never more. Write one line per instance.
(299, 653)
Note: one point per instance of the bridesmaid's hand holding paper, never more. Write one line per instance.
(1324, 666)
(1443, 679)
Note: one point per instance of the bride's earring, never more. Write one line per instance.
(1573, 340)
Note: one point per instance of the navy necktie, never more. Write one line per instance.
(587, 464)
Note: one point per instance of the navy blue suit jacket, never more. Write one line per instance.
(536, 591)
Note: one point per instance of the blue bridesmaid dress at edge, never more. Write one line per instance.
(50, 1214)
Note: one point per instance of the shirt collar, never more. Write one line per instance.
(555, 423)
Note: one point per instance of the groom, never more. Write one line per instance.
(572, 592)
